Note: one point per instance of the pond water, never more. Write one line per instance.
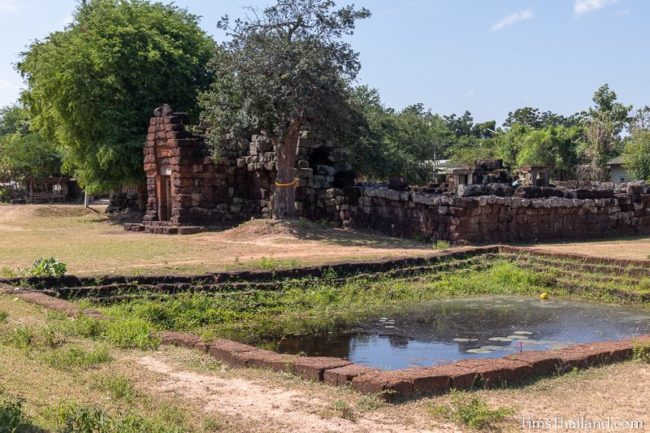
(444, 331)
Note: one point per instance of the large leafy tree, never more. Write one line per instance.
(283, 69)
(605, 122)
(93, 86)
(23, 153)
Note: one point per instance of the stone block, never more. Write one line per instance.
(313, 367)
(343, 375)
(225, 351)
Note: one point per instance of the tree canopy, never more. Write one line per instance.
(283, 69)
(24, 153)
(93, 86)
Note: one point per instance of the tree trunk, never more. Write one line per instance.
(284, 199)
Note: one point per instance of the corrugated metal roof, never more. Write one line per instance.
(619, 160)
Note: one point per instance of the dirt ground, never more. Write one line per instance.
(637, 248)
(91, 244)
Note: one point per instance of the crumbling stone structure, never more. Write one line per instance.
(188, 187)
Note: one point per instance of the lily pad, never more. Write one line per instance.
(479, 351)
(500, 339)
(493, 348)
(464, 340)
(517, 337)
(523, 333)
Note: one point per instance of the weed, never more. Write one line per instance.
(73, 418)
(344, 410)
(8, 273)
(3, 316)
(22, 338)
(211, 425)
(441, 245)
(131, 333)
(88, 327)
(118, 387)
(368, 403)
(50, 267)
(642, 352)
(471, 411)
(77, 357)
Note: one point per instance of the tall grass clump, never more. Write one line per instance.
(471, 411)
(73, 356)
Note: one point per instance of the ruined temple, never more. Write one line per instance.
(188, 187)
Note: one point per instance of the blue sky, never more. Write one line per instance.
(486, 56)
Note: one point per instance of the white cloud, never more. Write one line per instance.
(622, 12)
(8, 5)
(5, 84)
(513, 18)
(584, 6)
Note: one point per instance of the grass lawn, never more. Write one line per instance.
(90, 244)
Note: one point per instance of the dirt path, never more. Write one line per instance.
(289, 410)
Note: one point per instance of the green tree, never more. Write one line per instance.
(24, 153)
(93, 86)
(605, 122)
(637, 148)
(554, 147)
(284, 69)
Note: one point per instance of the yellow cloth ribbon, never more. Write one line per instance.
(287, 185)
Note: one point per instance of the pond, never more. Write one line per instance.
(444, 331)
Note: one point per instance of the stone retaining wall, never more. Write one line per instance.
(486, 219)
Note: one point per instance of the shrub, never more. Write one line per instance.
(471, 411)
(12, 419)
(88, 327)
(131, 333)
(642, 352)
(47, 268)
(75, 356)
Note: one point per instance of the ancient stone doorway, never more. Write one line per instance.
(165, 195)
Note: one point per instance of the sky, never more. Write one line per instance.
(486, 56)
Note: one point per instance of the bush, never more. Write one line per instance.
(471, 411)
(47, 268)
(12, 419)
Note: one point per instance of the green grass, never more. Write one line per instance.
(315, 305)
(74, 356)
(118, 387)
(471, 411)
(3, 316)
(75, 418)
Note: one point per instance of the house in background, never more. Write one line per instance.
(617, 171)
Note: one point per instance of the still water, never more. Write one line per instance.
(485, 327)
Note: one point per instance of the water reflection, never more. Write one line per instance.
(448, 330)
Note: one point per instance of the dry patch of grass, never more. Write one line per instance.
(90, 244)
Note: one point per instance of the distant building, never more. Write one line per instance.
(617, 171)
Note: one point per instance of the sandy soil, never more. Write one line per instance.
(618, 392)
(630, 248)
